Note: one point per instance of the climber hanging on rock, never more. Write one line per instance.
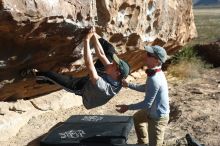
(104, 78)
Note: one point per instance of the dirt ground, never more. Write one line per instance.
(195, 108)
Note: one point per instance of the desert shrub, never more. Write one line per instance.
(187, 64)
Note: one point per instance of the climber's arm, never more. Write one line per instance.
(99, 50)
(89, 60)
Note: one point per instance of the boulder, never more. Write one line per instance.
(210, 52)
(14, 115)
(47, 35)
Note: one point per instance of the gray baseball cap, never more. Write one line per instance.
(158, 51)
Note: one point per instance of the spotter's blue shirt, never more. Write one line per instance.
(156, 100)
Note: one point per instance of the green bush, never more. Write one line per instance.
(186, 53)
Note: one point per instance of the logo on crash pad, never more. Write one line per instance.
(72, 134)
(92, 118)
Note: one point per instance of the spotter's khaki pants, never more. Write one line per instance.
(156, 128)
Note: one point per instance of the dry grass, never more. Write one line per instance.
(187, 65)
(186, 69)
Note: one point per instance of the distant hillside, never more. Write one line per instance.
(206, 2)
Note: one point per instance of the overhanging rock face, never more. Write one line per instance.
(47, 35)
